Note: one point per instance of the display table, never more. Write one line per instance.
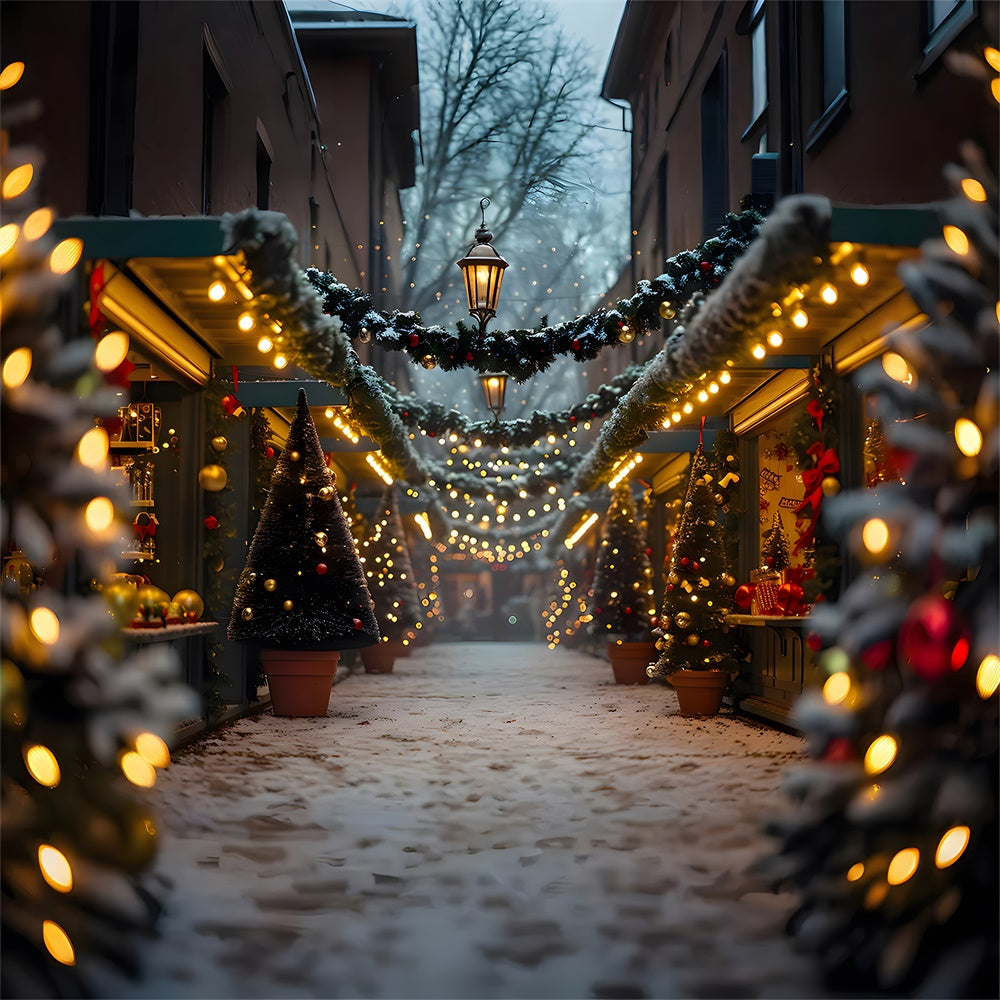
(168, 633)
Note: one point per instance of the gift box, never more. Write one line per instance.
(765, 596)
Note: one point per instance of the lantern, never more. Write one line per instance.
(494, 388)
(482, 267)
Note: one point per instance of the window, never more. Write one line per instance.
(263, 174)
(830, 38)
(668, 61)
(938, 11)
(758, 74)
(214, 100)
(714, 151)
(944, 21)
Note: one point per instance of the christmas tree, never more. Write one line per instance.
(303, 586)
(894, 845)
(698, 594)
(621, 601)
(775, 548)
(83, 729)
(390, 573)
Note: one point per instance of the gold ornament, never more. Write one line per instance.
(667, 310)
(219, 443)
(661, 644)
(682, 619)
(287, 605)
(326, 492)
(190, 602)
(693, 639)
(321, 538)
(154, 600)
(728, 580)
(673, 578)
(626, 335)
(175, 612)
(293, 456)
(123, 600)
(246, 614)
(270, 585)
(720, 499)
(428, 361)
(213, 478)
(830, 486)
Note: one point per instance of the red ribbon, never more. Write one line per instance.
(816, 411)
(701, 431)
(96, 287)
(236, 381)
(827, 464)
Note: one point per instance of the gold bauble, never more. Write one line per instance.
(694, 639)
(626, 335)
(667, 310)
(287, 605)
(728, 580)
(123, 600)
(293, 456)
(719, 498)
(428, 361)
(270, 586)
(219, 443)
(682, 619)
(321, 538)
(830, 486)
(154, 600)
(246, 614)
(326, 492)
(213, 478)
(661, 644)
(190, 601)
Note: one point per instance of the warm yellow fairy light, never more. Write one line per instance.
(903, 866)
(860, 275)
(995, 88)
(992, 56)
(55, 868)
(988, 676)
(836, 688)
(8, 238)
(111, 350)
(895, 367)
(956, 240)
(16, 367)
(99, 514)
(829, 294)
(702, 396)
(800, 319)
(968, 437)
(42, 765)
(725, 378)
(11, 73)
(713, 387)
(57, 943)
(246, 322)
(880, 754)
(951, 846)
(217, 291)
(140, 772)
(855, 871)
(775, 339)
(44, 625)
(92, 451)
(65, 255)
(280, 361)
(759, 352)
(381, 472)
(875, 535)
(264, 345)
(675, 417)
(37, 224)
(424, 524)
(581, 530)
(18, 180)
(973, 190)
(687, 408)
(152, 749)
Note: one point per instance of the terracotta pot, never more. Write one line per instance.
(299, 680)
(630, 659)
(699, 692)
(379, 658)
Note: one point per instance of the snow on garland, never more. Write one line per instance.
(524, 353)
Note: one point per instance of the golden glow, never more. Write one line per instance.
(829, 294)
(800, 319)
(759, 352)
(152, 749)
(8, 237)
(775, 339)
(264, 345)
(973, 190)
(55, 868)
(988, 676)
(17, 181)
(37, 224)
(13, 72)
(903, 866)
(702, 396)
(875, 535)
(44, 625)
(995, 88)
(969, 437)
(140, 772)
(42, 765)
(725, 378)
(860, 275)
(57, 943)
(100, 514)
(280, 361)
(855, 872)
(836, 688)
(423, 522)
(111, 350)
(217, 291)
(895, 367)
(992, 56)
(951, 846)
(92, 451)
(581, 530)
(65, 255)
(246, 322)
(380, 471)
(957, 241)
(880, 754)
(16, 367)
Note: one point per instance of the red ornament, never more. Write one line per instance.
(469, 356)
(321, 568)
(814, 642)
(878, 655)
(815, 410)
(705, 266)
(413, 340)
(705, 643)
(743, 597)
(575, 344)
(357, 624)
(233, 406)
(269, 451)
(685, 560)
(839, 750)
(934, 638)
(211, 522)
(791, 599)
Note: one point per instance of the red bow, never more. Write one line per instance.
(815, 410)
(147, 529)
(827, 464)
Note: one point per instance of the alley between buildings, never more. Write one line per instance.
(490, 820)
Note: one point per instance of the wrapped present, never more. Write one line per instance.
(766, 583)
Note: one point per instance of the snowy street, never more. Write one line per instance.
(490, 820)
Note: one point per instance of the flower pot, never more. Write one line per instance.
(699, 692)
(299, 680)
(378, 659)
(630, 659)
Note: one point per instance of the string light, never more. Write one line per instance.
(956, 240)
(16, 367)
(988, 676)
(880, 754)
(152, 749)
(44, 625)
(379, 470)
(951, 846)
(93, 448)
(18, 180)
(57, 943)
(42, 765)
(65, 255)
(903, 866)
(860, 275)
(137, 770)
(111, 350)
(581, 529)
(968, 437)
(217, 291)
(55, 868)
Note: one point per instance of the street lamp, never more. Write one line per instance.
(482, 268)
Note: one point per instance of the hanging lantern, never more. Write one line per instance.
(494, 389)
(482, 267)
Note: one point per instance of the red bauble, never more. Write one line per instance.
(575, 344)
(413, 340)
(469, 356)
(321, 568)
(357, 624)
(269, 451)
(705, 643)
(743, 597)
(705, 266)
(877, 656)
(685, 560)
(791, 599)
(211, 522)
(814, 642)
(934, 638)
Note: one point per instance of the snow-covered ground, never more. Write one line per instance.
(490, 820)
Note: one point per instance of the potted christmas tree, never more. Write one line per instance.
(393, 586)
(695, 643)
(621, 603)
(302, 596)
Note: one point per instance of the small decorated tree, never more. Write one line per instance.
(775, 548)
(302, 587)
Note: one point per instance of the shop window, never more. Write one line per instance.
(780, 491)
(828, 32)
